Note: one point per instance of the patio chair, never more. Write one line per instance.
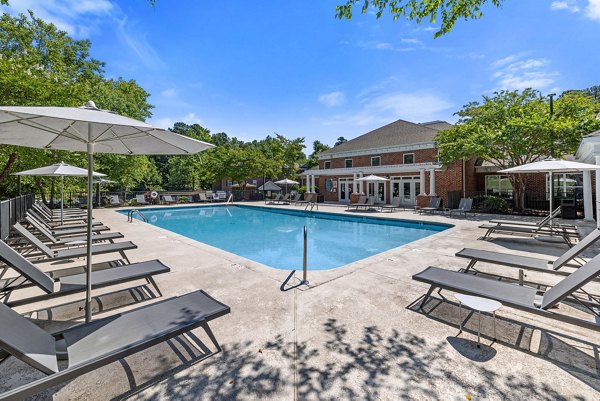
(75, 211)
(528, 262)
(464, 207)
(31, 275)
(69, 253)
(368, 204)
(220, 196)
(295, 199)
(435, 203)
(141, 199)
(396, 204)
(56, 218)
(89, 346)
(566, 233)
(96, 237)
(276, 199)
(62, 232)
(203, 198)
(115, 200)
(542, 223)
(362, 200)
(57, 224)
(308, 200)
(515, 296)
(168, 199)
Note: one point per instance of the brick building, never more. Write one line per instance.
(405, 154)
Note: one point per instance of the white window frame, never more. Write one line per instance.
(375, 157)
(497, 190)
(346, 163)
(408, 154)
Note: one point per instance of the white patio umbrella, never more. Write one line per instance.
(59, 170)
(286, 182)
(372, 178)
(89, 129)
(551, 166)
(99, 181)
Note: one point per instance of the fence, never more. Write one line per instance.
(13, 210)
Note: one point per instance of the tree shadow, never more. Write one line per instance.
(559, 349)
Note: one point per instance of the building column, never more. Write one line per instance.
(432, 183)
(422, 179)
(597, 193)
(361, 183)
(308, 184)
(312, 183)
(354, 183)
(588, 207)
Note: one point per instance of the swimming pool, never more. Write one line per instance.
(274, 237)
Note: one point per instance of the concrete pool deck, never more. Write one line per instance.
(353, 333)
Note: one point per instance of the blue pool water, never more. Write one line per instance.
(274, 237)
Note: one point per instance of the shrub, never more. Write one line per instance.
(133, 202)
(494, 204)
(183, 199)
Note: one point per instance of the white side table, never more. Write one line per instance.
(480, 305)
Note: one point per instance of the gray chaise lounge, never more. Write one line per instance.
(31, 275)
(76, 238)
(528, 262)
(435, 203)
(515, 296)
(567, 234)
(464, 207)
(31, 219)
(69, 253)
(90, 346)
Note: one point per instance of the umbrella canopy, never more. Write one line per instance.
(236, 185)
(551, 165)
(61, 170)
(103, 181)
(89, 129)
(372, 178)
(269, 186)
(286, 181)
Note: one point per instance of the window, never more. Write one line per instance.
(497, 184)
(565, 185)
(408, 158)
(348, 163)
(327, 164)
(376, 161)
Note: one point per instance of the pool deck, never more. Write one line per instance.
(352, 333)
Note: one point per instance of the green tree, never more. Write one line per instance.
(418, 10)
(313, 159)
(512, 128)
(340, 140)
(41, 65)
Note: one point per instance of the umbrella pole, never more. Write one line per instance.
(551, 197)
(62, 197)
(88, 271)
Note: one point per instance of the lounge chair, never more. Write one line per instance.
(221, 196)
(203, 198)
(57, 224)
(96, 237)
(464, 207)
(65, 211)
(115, 200)
(396, 204)
(31, 275)
(276, 199)
(309, 199)
(367, 205)
(285, 199)
(168, 199)
(90, 346)
(295, 199)
(70, 253)
(75, 230)
(542, 223)
(528, 262)
(56, 218)
(362, 200)
(141, 199)
(566, 233)
(435, 203)
(516, 296)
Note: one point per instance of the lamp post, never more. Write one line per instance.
(551, 96)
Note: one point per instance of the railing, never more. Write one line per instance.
(12, 211)
(304, 257)
(130, 215)
(229, 200)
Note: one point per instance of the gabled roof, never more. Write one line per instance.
(399, 132)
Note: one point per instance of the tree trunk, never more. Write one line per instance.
(12, 159)
(518, 183)
(40, 184)
(52, 190)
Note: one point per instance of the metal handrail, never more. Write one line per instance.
(130, 215)
(229, 199)
(304, 257)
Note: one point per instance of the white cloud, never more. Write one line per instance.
(385, 107)
(333, 98)
(168, 122)
(137, 41)
(592, 10)
(568, 5)
(377, 45)
(171, 92)
(77, 17)
(516, 72)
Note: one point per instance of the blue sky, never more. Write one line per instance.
(254, 68)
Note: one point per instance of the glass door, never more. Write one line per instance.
(345, 190)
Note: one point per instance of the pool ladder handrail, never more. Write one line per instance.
(312, 205)
(130, 215)
(229, 200)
